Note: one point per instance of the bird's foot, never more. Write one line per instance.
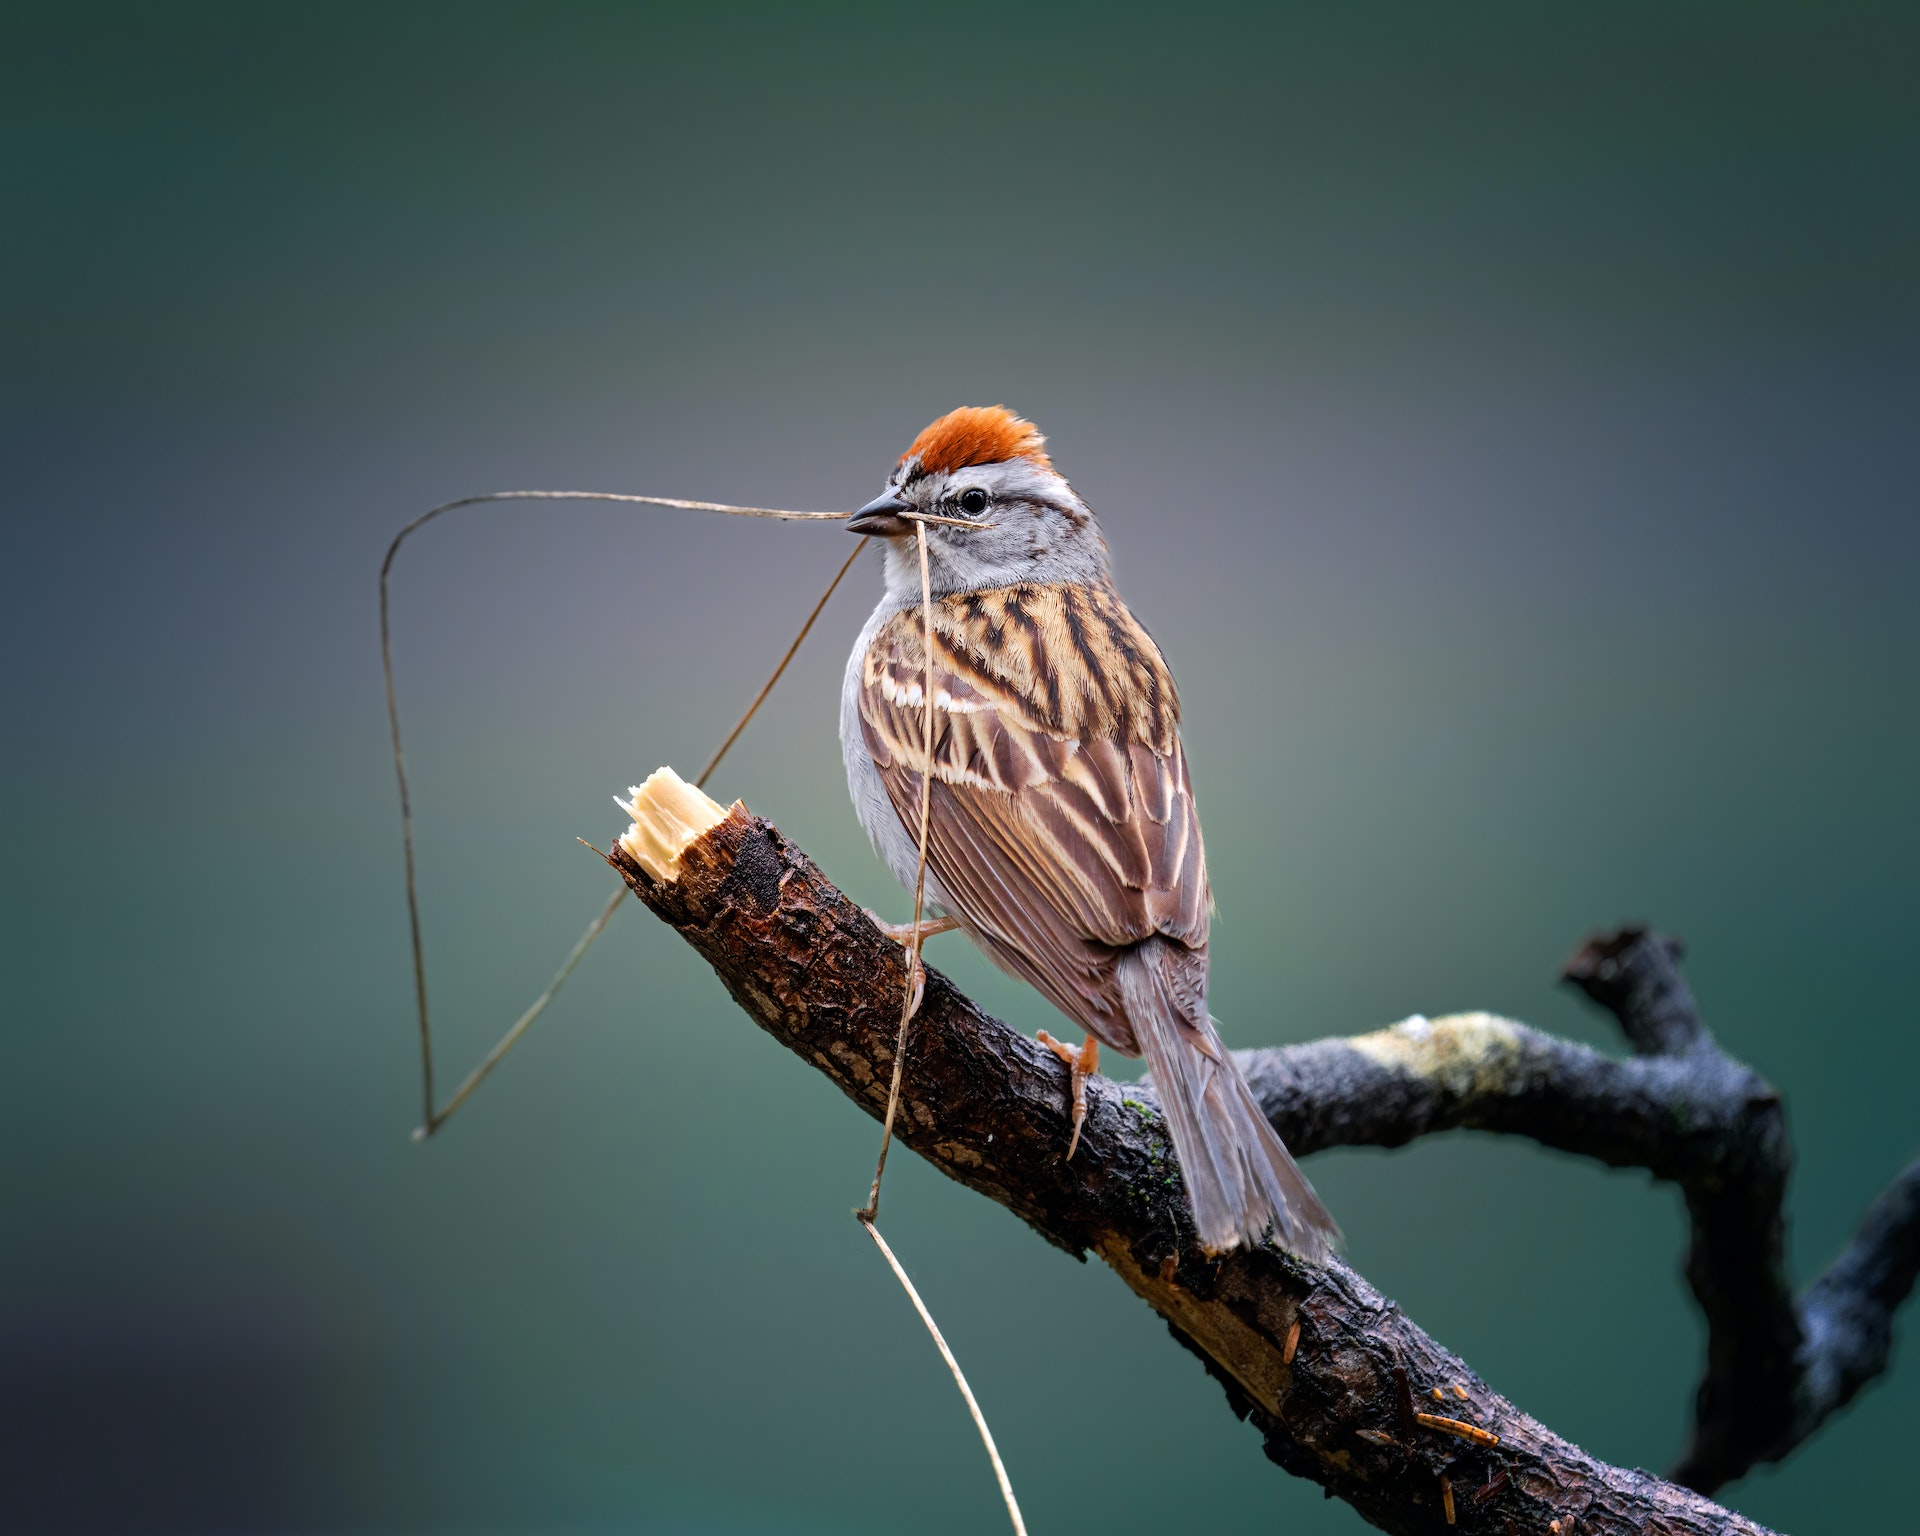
(902, 933)
(1082, 1062)
(917, 991)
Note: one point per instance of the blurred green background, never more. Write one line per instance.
(1503, 415)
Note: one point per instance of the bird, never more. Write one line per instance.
(1062, 835)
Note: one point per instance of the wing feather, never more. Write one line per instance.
(1062, 827)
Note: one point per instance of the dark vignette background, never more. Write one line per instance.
(1504, 416)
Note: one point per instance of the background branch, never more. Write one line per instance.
(1338, 1380)
(1682, 1109)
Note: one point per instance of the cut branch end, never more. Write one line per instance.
(668, 815)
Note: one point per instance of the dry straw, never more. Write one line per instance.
(434, 1116)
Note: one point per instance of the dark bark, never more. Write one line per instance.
(1682, 1109)
(1846, 1316)
(988, 1106)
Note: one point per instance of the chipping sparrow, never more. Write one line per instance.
(1063, 837)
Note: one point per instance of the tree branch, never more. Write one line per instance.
(1682, 1109)
(1334, 1375)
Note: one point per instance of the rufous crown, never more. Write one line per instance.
(976, 434)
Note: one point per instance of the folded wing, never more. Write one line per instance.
(1062, 826)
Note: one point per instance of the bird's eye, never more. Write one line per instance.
(974, 502)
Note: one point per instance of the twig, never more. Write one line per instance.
(511, 1038)
(909, 1003)
(792, 651)
(959, 1377)
(871, 1209)
(432, 1117)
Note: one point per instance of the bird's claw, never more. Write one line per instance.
(902, 933)
(1082, 1062)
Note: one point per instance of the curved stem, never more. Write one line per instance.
(433, 1118)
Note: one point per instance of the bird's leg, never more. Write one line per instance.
(902, 933)
(1082, 1063)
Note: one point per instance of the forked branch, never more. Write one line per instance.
(1680, 1108)
(1337, 1379)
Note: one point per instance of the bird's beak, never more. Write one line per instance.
(881, 517)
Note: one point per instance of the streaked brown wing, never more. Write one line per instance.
(1062, 827)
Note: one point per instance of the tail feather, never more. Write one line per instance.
(1239, 1177)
